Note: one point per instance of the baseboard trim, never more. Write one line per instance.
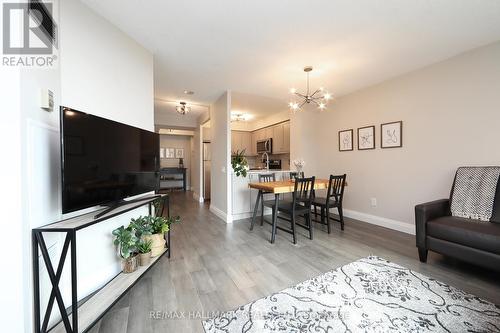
(381, 221)
(225, 217)
(198, 197)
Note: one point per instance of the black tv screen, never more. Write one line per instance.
(104, 161)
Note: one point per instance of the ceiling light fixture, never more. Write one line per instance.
(183, 108)
(188, 92)
(319, 97)
(239, 116)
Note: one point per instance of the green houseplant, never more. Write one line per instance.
(239, 163)
(159, 226)
(144, 248)
(126, 240)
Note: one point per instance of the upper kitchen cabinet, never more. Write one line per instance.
(286, 136)
(241, 140)
(281, 138)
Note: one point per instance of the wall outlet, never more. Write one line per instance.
(373, 202)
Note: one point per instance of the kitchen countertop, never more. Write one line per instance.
(266, 171)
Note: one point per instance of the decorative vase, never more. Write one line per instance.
(145, 258)
(158, 243)
(130, 264)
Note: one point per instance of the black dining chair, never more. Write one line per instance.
(265, 178)
(296, 174)
(334, 197)
(300, 205)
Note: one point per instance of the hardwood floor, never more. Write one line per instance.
(217, 266)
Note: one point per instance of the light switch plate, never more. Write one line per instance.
(47, 100)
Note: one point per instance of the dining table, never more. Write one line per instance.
(277, 188)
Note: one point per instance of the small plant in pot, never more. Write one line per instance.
(126, 240)
(159, 226)
(144, 248)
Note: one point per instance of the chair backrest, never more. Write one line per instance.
(303, 191)
(267, 177)
(295, 174)
(335, 190)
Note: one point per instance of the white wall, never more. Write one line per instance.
(220, 120)
(100, 71)
(178, 141)
(14, 295)
(103, 71)
(450, 113)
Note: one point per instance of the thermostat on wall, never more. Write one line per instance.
(47, 100)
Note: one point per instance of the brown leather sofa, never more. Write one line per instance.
(477, 242)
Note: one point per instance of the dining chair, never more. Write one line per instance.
(334, 197)
(299, 206)
(296, 174)
(265, 178)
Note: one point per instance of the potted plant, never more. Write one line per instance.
(126, 241)
(239, 163)
(159, 225)
(144, 248)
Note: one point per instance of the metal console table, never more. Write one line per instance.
(93, 309)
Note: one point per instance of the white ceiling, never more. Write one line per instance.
(257, 107)
(167, 115)
(260, 46)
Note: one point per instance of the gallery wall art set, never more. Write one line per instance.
(391, 136)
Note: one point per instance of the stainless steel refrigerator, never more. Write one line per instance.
(207, 156)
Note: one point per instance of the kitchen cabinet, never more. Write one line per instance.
(253, 143)
(278, 139)
(286, 137)
(281, 138)
(241, 140)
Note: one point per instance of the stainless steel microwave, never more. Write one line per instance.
(265, 146)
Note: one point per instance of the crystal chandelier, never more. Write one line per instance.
(183, 108)
(239, 116)
(319, 97)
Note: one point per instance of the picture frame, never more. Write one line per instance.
(179, 153)
(162, 152)
(366, 138)
(391, 135)
(346, 140)
(169, 152)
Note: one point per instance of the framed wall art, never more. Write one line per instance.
(345, 140)
(169, 152)
(366, 138)
(179, 153)
(391, 135)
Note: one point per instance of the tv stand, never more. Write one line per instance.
(79, 318)
(120, 203)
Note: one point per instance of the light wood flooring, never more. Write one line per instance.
(217, 266)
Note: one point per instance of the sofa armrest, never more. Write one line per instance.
(426, 212)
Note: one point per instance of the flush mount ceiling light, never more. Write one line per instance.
(240, 116)
(183, 108)
(188, 92)
(319, 97)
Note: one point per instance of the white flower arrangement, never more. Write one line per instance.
(299, 164)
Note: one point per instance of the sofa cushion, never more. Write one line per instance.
(476, 234)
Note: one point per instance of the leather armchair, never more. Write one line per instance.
(470, 240)
(426, 212)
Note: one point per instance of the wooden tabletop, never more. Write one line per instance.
(286, 186)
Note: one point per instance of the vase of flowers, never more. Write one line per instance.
(299, 165)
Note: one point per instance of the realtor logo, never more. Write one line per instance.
(29, 34)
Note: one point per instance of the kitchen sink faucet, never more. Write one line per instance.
(267, 159)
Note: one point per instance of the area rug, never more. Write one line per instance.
(368, 295)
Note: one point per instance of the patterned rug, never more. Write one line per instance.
(368, 295)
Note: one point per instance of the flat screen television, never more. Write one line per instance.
(104, 161)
